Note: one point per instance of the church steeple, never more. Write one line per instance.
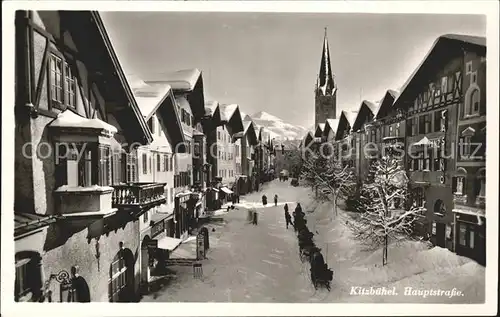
(326, 90)
(326, 84)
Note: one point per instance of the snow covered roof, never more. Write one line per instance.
(331, 124)
(246, 125)
(149, 98)
(386, 103)
(210, 107)
(227, 111)
(184, 80)
(366, 111)
(350, 116)
(69, 119)
(441, 44)
(319, 130)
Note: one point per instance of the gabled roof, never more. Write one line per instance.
(308, 138)
(210, 107)
(159, 99)
(149, 98)
(346, 120)
(365, 113)
(444, 47)
(227, 111)
(187, 81)
(319, 130)
(248, 129)
(331, 124)
(386, 103)
(95, 48)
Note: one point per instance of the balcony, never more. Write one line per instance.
(138, 195)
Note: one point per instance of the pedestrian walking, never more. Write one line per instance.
(288, 218)
(264, 200)
(79, 286)
(276, 200)
(254, 217)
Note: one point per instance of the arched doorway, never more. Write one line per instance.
(121, 276)
(144, 260)
(440, 210)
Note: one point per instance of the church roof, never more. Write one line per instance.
(325, 84)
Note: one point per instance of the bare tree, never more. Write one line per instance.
(387, 216)
(331, 180)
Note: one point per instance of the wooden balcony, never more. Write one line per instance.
(138, 195)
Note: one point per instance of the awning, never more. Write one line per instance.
(168, 243)
(226, 190)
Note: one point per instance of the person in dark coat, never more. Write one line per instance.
(264, 200)
(276, 200)
(288, 218)
(79, 286)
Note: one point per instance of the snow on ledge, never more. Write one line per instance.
(86, 214)
(80, 189)
(69, 119)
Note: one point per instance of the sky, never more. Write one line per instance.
(270, 61)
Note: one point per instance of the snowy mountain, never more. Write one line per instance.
(278, 128)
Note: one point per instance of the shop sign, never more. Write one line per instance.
(157, 228)
(433, 228)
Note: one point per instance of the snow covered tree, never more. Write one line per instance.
(326, 174)
(293, 159)
(387, 217)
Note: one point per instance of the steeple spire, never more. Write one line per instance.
(326, 84)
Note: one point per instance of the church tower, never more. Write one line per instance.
(326, 90)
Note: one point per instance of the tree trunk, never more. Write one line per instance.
(335, 203)
(386, 244)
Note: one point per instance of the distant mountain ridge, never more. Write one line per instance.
(278, 128)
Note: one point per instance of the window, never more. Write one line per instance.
(28, 279)
(144, 163)
(22, 281)
(468, 68)
(118, 280)
(427, 164)
(444, 84)
(171, 163)
(481, 183)
(158, 163)
(131, 166)
(73, 170)
(474, 100)
(151, 163)
(427, 123)
(117, 168)
(439, 207)
(462, 233)
(146, 216)
(70, 87)
(458, 185)
(104, 165)
(420, 165)
(391, 129)
(473, 78)
(466, 146)
(421, 125)
(56, 79)
(419, 197)
(165, 163)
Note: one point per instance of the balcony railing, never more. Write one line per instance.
(139, 195)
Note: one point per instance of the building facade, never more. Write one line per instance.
(82, 194)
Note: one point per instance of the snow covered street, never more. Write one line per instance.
(248, 263)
